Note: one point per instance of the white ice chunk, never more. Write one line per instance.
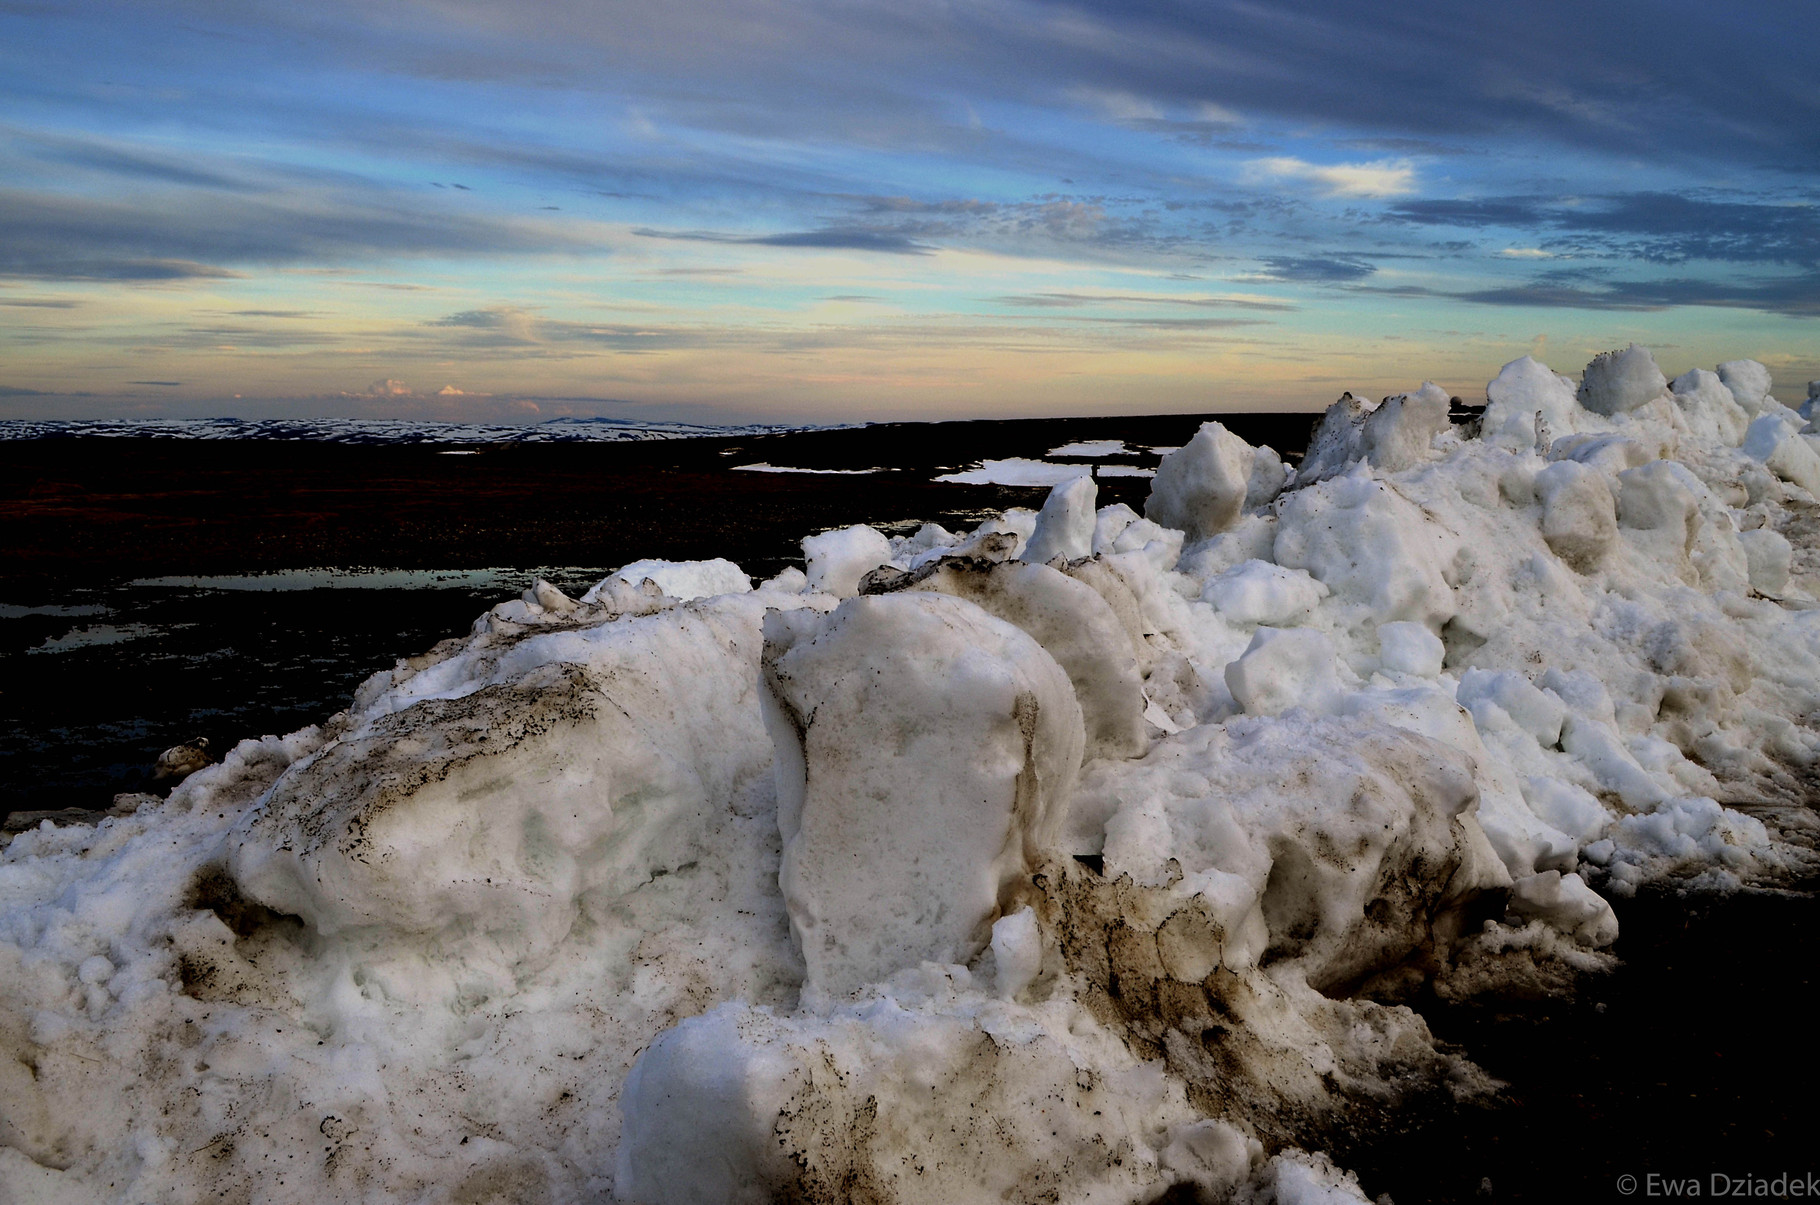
(1284, 668)
(548, 597)
(682, 580)
(1398, 433)
(927, 538)
(1200, 489)
(1607, 452)
(1749, 382)
(1562, 805)
(1661, 496)
(1597, 746)
(925, 753)
(1260, 592)
(1337, 441)
(1017, 951)
(1110, 523)
(1078, 626)
(1300, 1178)
(1526, 398)
(837, 559)
(1773, 439)
(1065, 525)
(1380, 555)
(1769, 554)
(1410, 648)
(1619, 381)
(1540, 713)
(1567, 904)
(1268, 477)
(1579, 514)
(1712, 412)
(1690, 829)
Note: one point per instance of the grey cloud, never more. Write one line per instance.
(508, 329)
(1074, 300)
(855, 240)
(64, 237)
(130, 162)
(1661, 227)
(828, 239)
(1636, 75)
(1795, 297)
(1315, 269)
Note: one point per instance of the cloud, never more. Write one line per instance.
(1660, 227)
(112, 158)
(198, 235)
(1791, 296)
(1067, 300)
(1314, 270)
(1383, 178)
(509, 329)
(831, 239)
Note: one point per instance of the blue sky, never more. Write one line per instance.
(875, 210)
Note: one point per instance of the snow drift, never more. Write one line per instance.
(1080, 857)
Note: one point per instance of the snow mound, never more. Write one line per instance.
(1082, 856)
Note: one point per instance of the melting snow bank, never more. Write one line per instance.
(1074, 858)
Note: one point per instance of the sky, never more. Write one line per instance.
(845, 210)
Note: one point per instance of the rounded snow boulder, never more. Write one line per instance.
(1284, 668)
(1076, 625)
(836, 560)
(926, 752)
(1617, 382)
(1379, 554)
(1200, 488)
(1579, 515)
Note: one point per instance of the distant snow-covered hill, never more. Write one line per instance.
(378, 431)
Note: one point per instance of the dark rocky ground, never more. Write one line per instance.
(1685, 1063)
(83, 523)
(1688, 1062)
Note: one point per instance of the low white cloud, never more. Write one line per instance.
(1380, 178)
(452, 391)
(1526, 253)
(1120, 106)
